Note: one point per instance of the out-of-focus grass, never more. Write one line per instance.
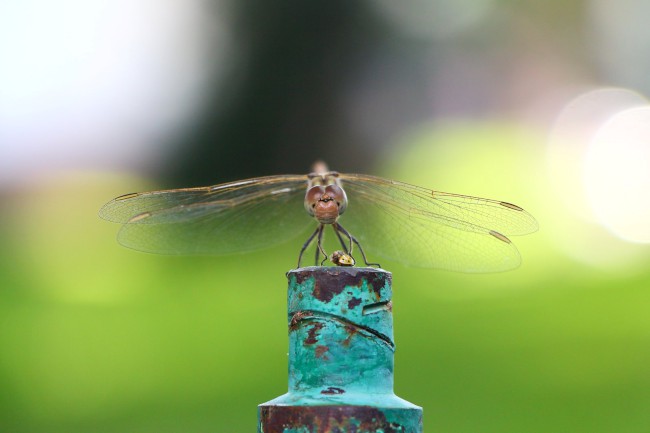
(554, 357)
(97, 338)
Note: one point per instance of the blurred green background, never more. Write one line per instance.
(536, 103)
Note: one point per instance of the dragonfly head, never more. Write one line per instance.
(325, 203)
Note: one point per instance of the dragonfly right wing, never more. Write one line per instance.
(228, 218)
(432, 229)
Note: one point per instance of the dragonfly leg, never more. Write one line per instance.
(320, 249)
(316, 255)
(306, 244)
(353, 239)
(348, 250)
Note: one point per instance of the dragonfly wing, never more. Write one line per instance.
(431, 229)
(233, 217)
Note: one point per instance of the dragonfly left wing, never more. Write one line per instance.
(228, 218)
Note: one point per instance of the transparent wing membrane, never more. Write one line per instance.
(234, 217)
(431, 229)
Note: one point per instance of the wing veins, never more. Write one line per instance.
(217, 205)
(465, 214)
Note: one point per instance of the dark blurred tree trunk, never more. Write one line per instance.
(281, 108)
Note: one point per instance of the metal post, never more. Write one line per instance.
(340, 357)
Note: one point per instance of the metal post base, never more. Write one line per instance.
(340, 357)
(339, 419)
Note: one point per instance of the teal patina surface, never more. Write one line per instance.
(340, 357)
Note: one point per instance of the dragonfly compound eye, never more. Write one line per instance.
(338, 194)
(311, 198)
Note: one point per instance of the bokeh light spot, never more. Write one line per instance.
(572, 132)
(617, 174)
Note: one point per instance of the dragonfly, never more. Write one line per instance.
(397, 221)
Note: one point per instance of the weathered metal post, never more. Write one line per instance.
(340, 357)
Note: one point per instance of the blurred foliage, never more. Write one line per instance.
(97, 338)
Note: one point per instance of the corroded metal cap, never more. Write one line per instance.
(340, 357)
(361, 296)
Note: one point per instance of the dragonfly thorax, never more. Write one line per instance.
(325, 203)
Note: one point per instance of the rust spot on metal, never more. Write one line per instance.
(302, 276)
(321, 351)
(330, 285)
(312, 334)
(377, 282)
(351, 327)
(298, 317)
(326, 419)
(333, 390)
(329, 282)
(353, 303)
(352, 331)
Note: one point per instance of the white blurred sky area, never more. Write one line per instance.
(102, 85)
(87, 84)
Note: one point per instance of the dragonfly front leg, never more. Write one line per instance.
(352, 239)
(319, 245)
(348, 250)
(307, 243)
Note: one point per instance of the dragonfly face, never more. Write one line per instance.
(326, 203)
